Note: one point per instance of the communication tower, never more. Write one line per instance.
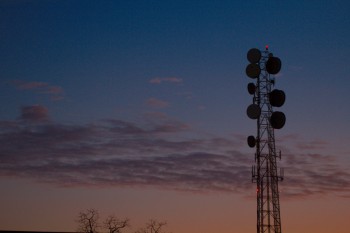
(262, 67)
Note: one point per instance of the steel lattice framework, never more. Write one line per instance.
(265, 173)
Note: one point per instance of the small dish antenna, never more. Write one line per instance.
(251, 141)
(253, 111)
(277, 98)
(254, 55)
(277, 120)
(253, 70)
(273, 65)
(251, 88)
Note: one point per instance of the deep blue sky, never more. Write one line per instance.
(104, 53)
(103, 81)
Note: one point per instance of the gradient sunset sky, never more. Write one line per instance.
(138, 108)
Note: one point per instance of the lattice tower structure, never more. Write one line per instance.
(265, 172)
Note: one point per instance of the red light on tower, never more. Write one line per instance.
(266, 47)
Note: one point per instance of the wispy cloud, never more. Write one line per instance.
(156, 103)
(314, 174)
(114, 152)
(22, 85)
(168, 79)
(34, 113)
(309, 145)
(54, 92)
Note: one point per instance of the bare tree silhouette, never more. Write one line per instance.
(115, 225)
(88, 221)
(153, 226)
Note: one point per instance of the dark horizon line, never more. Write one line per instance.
(14, 231)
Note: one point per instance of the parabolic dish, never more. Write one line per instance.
(253, 70)
(273, 65)
(277, 98)
(277, 120)
(254, 55)
(253, 111)
(251, 88)
(251, 141)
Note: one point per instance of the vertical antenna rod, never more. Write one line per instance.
(263, 65)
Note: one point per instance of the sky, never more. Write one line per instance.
(138, 109)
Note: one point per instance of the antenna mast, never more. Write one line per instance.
(263, 65)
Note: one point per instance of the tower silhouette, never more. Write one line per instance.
(265, 173)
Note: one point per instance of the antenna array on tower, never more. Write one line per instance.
(262, 66)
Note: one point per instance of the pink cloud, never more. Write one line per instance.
(22, 85)
(54, 92)
(169, 80)
(156, 103)
(35, 113)
(315, 144)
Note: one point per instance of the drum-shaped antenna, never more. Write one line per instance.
(251, 141)
(253, 70)
(277, 98)
(254, 55)
(277, 120)
(253, 111)
(251, 88)
(273, 65)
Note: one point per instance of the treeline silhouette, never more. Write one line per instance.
(89, 222)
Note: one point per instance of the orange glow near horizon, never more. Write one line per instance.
(184, 212)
